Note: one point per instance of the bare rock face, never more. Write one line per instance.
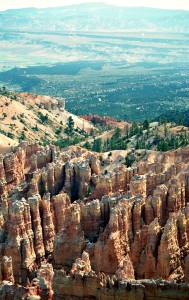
(47, 224)
(84, 283)
(7, 269)
(113, 243)
(91, 219)
(20, 239)
(34, 203)
(148, 269)
(138, 185)
(77, 179)
(62, 207)
(93, 234)
(126, 270)
(81, 265)
(70, 241)
(169, 252)
(44, 281)
(14, 166)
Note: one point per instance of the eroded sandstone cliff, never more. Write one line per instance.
(69, 230)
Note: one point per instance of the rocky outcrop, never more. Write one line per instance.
(34, 203)
(7, 269)
(70, 241)
(19, 244)
(101, 234)
(16, 165)
(43, 282)
(84, 283)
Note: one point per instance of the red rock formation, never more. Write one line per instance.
(7, 270)
(15, 165)
(62, 210)
(169, 255)
(34, 203)
(83, 283)
(19, 244)
(102, 229)
(47, 224)
(70, 241)
(44, 281)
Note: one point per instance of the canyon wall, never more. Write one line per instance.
(69, 230)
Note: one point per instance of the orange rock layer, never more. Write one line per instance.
(68, 231)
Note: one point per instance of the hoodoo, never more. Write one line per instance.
(71, 231)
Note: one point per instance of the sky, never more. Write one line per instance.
(166, 4)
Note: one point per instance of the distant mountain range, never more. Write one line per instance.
(95, 17)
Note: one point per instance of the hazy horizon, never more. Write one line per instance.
(167, 4)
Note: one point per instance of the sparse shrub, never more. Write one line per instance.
(58, 131)
(35, 128)
(10, 135)
(22, 136)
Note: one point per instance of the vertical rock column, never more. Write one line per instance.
(36, 224)
(47, 221)
(20, 240)
(7, 270)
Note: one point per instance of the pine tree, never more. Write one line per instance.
(97, 145)
(70, 126)
(146, 124)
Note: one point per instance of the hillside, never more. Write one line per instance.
(6, 144)
(35, 118)
(44, 119)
